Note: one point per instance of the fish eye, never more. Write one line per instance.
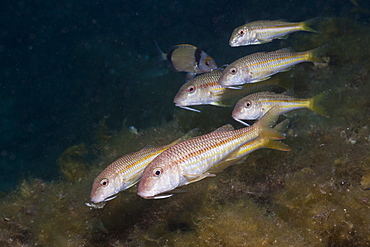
(191, 89)
(207, 63)
(104, 182)
(248, 103)
(241, 32)
(157, 171)
(233, 71)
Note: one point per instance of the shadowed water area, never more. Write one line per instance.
(76, 75)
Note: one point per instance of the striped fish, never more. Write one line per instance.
(189, 160)
(254, 106)
(262, 65)
(126, 171)
(201, 90)
(260, 32)
(205, 90)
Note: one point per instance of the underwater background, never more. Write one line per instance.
(75, 75)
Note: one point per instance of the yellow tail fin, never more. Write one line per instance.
(306, 25)
(314, 104)
(277, 145)
(316, 55)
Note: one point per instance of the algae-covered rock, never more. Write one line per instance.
(244, 223)
(365, 181)
(317, 203)
(72, 164)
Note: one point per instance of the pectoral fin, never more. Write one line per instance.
(263, 41)
(284, 37)
(261, 79)
(226, 127)
(198, 177)
(189, 76)
(217, 91)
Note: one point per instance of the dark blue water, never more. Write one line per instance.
(65, 65)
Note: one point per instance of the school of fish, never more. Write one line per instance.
(161, 170)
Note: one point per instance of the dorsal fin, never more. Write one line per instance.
(192, 133)
(226, 127)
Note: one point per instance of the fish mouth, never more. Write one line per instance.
(95, 205)
(145, 195)
(232, 44)
(94, 200)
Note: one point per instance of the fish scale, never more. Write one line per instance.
(251, 146)
(123, 173)
(199, 157)
(262, 65)
(205, 89)
(254, 106)
(259, 62)
(189, 160)
(126, 171)
(270, 29)
(285, 102)
(260, 32)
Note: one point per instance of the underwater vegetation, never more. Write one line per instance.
(316, 195)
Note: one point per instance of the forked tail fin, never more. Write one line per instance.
(314, 104)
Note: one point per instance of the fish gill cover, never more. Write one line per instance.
(76, 75)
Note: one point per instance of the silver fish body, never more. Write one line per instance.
(189, 160)
(201, 90)
(254, 106)
(262, 65)
(122, 174)
(260, 32)
(126, 171)
(252, 146)
(204, 89)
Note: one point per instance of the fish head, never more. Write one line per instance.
(188, 94)
(195, 92)
(106, 186)
(235, 74)
(248, 108)
(158, 178)
(206, 63)
(241, 36)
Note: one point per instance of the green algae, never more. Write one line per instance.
(45, 214)
(315, 195)
(332, 209)
(72, 164)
